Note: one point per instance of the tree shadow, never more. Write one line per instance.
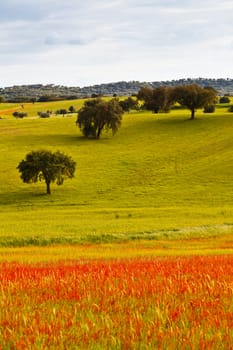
(23, 198)
(53, 138)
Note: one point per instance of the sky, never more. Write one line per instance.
(87, 42)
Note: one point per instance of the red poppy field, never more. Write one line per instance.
(139, 303)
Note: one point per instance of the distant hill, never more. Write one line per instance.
(50, 92)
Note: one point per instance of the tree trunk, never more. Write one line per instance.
(48, 188)
(99, 130)
(192, 114)
(98, 133)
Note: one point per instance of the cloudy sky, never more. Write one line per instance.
(86, 42)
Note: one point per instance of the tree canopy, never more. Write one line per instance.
(97, 115)
(158, 99)
(48, 166)
(128, 104)
(194, 96)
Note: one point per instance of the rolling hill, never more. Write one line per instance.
(42, 92)
(159, 176)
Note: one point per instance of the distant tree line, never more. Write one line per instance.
(51, 92)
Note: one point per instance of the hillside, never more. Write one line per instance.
(159, 176)
(39, 91)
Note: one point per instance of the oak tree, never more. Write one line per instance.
(194, 96)
(157, 100)
(48, 166)
(97, 115)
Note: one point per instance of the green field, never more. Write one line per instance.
(161, 176)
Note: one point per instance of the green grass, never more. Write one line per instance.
(160, 176)
(6, 109)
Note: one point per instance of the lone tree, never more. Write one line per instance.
(158, 99)
(194, 96)
(48, 166)
(72, 109)
(97, 115)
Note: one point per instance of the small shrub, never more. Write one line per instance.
(230, 109)
(62, 112)
(209, 109)
(44, 114)
(224, 99)
(19, 114)
(72, 109)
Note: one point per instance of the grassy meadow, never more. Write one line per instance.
(161, 176)
(133, 253)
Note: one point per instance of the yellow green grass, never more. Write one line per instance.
(6, 109)
(215, 245)
(160, 177)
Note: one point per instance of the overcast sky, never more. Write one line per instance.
(86, 42)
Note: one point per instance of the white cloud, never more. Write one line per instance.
(76, 42)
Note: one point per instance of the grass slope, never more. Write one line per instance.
(161, 176)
